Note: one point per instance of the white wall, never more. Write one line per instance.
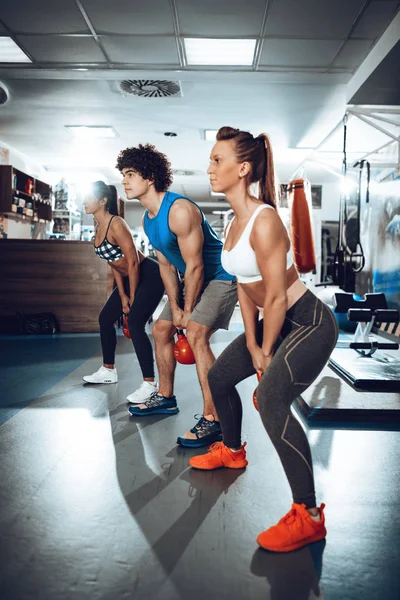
(330, 201)
(133, 214)
(18, 228)
(25, 163)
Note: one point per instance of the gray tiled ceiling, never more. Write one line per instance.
(62, 49)
(298, 53)
(298, 33)
(353, 53)
(42, 16)
(141, 50)
(130, 16)
(220, 17)
(313, 18)
(375, 19)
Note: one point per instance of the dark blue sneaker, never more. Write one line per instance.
(207, 432)
(156, 405)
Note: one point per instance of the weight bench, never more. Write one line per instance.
(380, 373)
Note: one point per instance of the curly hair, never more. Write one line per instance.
(149, 163)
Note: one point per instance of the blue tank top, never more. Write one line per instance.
(165, 241)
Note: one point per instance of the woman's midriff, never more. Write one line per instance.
(121, 265)
(295, 290)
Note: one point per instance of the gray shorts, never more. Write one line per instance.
(214, 307)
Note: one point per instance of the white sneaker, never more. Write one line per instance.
(143, 393)
(103, 375)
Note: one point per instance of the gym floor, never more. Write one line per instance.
(98, 505)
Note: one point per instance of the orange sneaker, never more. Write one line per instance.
(219, 456)
(294, 530)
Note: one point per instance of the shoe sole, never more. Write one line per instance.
(188, 443)
(221, 467)
(161, 411)
(293, 547)
(138, 401)
(99, 382)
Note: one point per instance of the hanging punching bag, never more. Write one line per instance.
(302, 239)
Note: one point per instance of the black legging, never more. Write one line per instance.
(307, 338)
(148, 295)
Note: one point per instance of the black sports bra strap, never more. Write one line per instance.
(109, 223)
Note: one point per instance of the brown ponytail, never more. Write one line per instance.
(258, 152)
(101, 190)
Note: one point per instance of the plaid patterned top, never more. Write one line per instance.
(106, 250)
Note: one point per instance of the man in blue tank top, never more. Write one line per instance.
(201, 294)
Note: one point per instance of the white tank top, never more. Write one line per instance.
(241, 260)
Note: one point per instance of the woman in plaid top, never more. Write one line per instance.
(139, 289)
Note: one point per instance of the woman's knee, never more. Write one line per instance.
(217, 378)
(271, 402)
(104, 320)
(136, 321)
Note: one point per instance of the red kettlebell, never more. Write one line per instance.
(182, 351)
(255, 402)
(125, 328)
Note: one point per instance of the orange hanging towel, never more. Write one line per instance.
(299, 192)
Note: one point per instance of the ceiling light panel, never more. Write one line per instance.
(219, 52)
(11, 53)
(210, 135)
(91, 132)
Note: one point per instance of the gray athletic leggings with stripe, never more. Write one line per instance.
(307, 338)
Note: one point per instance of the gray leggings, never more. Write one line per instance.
(307, 338)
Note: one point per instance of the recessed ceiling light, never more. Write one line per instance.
(91, 132)
(210, 134)
(10, 52)
(202, 51)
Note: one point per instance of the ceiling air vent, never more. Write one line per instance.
(3, 94)
(151, 88)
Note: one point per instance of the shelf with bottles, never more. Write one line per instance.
(74, 214)
(43, 200)
(66, 217)
(34, 207)
(23, 205)
(24, 196)
(66, 223)
(21, 182)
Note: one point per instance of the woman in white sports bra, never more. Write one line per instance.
(287, 348)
